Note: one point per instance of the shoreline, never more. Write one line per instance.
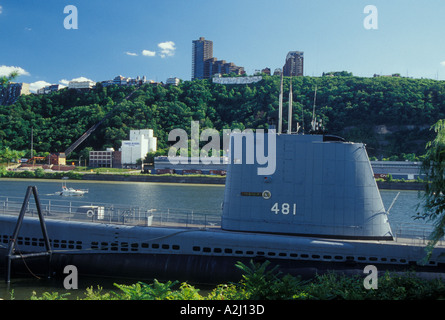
(155, 178)
(206, 180)
(221, 180)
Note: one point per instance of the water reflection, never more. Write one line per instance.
(153, 195)
(205, 198)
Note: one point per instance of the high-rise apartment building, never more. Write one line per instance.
(202, 51)
(204, 65)
(10, 93)
(294, 64)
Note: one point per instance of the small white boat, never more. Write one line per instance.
(71, 191)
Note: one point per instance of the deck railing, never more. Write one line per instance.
(110, 213)
(166, 217)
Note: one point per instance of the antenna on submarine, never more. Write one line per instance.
(302, 119)
(313, 123)
(289, 116)
(280, 107)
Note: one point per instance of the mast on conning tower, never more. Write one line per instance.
(289, 116)
(280, 107)
(313, 111)
(302, 119)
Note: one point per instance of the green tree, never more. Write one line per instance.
(4, 80)
(7, 155)
(352, 107)
(433, 166)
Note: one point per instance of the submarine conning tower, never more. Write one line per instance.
(320, 187)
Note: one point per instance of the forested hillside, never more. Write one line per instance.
(391, 115)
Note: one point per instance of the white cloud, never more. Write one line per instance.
(1, 9)
(7, 70)
(130, 53)
(33, 87)
(167, 49)
(65, 82)
(442, 63)
(81, 79)
(148, 53)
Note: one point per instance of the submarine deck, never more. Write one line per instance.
(407, 234)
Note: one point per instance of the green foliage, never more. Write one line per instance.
(331, 286)
(39, 173)
(257, 279)
(4, 80)
(50, 296)
(8, 155)
(433, 166)
(228, 292)
(186, 292)
(407, 287)
(260, 282)
(349, 106)
(143, 291)
(91, 294)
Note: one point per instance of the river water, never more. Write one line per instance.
(198, 198)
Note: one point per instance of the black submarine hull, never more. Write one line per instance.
(203, 269)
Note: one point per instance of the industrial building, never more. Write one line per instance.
(136, 148)
(141, 142)
(105, 159)
(407, 170)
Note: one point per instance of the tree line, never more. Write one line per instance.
(392, 115)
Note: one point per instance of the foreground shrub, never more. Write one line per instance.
(261, 282)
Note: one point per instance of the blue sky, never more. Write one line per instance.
(112, 36)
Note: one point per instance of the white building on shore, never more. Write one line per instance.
(141, 142)
(86, 84)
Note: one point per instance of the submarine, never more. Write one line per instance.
(318, 210)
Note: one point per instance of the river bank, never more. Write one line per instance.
(155, 178)
(393, 185)
(174, 178)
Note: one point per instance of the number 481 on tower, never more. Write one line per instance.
(284, 208)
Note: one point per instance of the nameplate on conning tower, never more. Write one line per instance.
(265, 194)
(252, 194)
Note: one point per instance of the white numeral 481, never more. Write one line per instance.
(285, 208)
